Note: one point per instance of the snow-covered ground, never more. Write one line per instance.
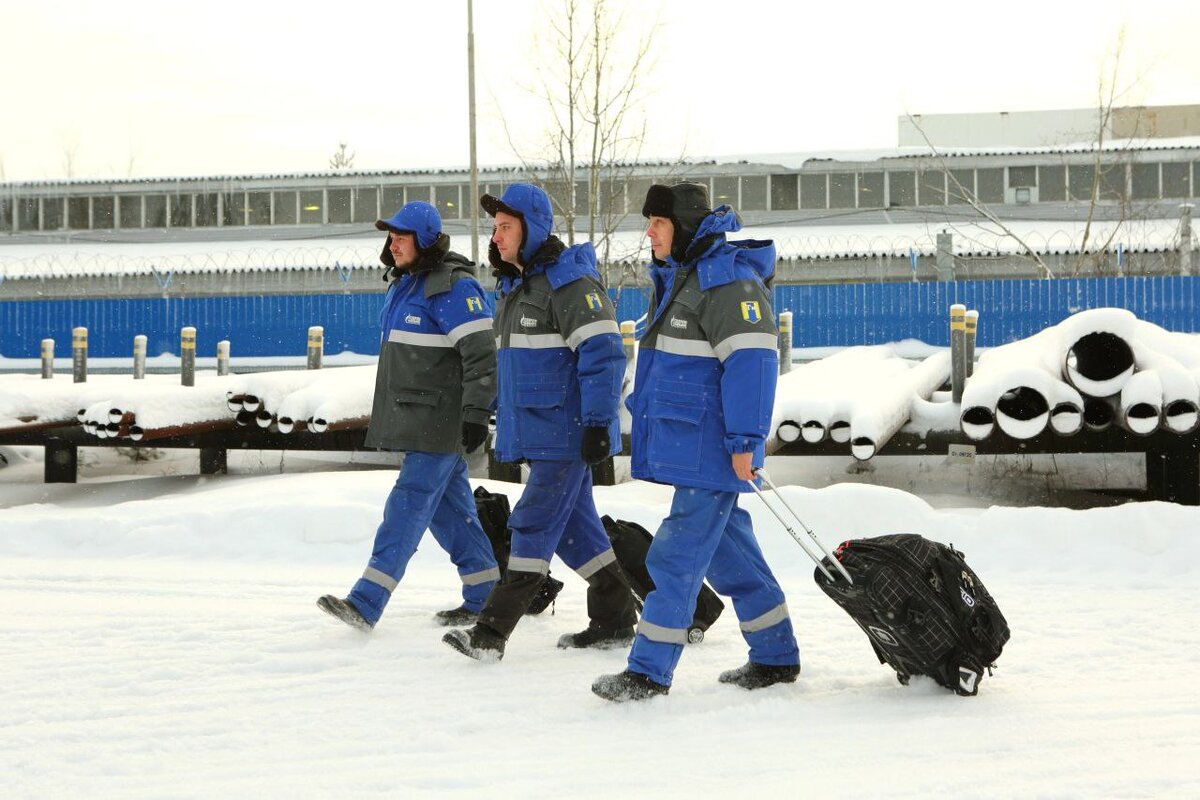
(160, 639)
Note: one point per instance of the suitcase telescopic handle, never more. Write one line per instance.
(825, 551)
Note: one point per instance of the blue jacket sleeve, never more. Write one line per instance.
(587, 320)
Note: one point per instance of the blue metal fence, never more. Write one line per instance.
(825, 315)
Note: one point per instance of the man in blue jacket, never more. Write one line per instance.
(705, 387)
(434, 386)
(560, 365)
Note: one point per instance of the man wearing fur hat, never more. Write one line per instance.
(434, 386)
(705, 387)
(560, 367)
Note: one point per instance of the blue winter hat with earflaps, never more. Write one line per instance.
(418, 218)
(532, 206)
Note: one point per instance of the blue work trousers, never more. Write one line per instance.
(432, 492)
(708, 535)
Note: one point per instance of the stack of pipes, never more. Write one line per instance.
(1095, 369)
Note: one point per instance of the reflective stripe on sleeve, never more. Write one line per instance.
(419, 339)
(746, 341)
(519, 564)
(585, 332)
(536, 341)
(467, 328)
(483, 576)
(381, 578)
(684, 347)
(596, 564)
(773, 617)
(657, 633)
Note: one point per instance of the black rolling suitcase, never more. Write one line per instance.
(494, 510)
(924, 610)
(630, 543)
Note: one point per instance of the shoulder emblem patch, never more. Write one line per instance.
(412, 319)
(475, 304)
(750, 311)
(593, 301)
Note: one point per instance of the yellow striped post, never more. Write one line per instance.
(785, 342)
(187, 356)
(972, 325)
(47, 359)
(139, 357)
(628, 339)
(958, 342)
(79, 354)
(316, 346)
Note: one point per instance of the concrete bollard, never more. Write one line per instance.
(316, 346)
(945, 256)
(1185, 237)
(187, 356)
(139, 357)
(958, 345)
(47, 359)
(972, 324)
(223, 357)
(785, 342)
(628, 339)
(79, 354)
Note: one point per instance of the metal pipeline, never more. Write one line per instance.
(1022, 412)
(1099, 363)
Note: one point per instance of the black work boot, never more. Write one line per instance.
(456, 616)
(479, 642)
(598, 637)
(343, 610)
(626, 686)
(759, 676)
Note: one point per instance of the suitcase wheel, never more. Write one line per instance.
(695, 635)
(900, 676)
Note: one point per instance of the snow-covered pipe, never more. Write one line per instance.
(243, 418)
(1141, 403)
(1022, 412)
(115, 414)
(977, 422)
(1181, 416)
(264, 418)
(1180, 404)
(788, 431)
(234, 401)
(874, 422)
(1098, 413)
(1066, 418)
(250, 403)
(839, 430)
(813, 431)
(135, 433)
(1097, 357)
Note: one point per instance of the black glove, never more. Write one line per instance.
(473, 435)
(595, 444)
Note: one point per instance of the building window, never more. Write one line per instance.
(447, 201)
(637, 189)
(103, 212)
(339, 206)
(1174, 179)
(130, 210)
(27, 214)
(366, 204)
(1052, 184)
(931, 188)
(870, 190)
(181, 211)
(285, 208)
(259, 204)
(785, 192)
(54, 214)
(754, 193)
(312, 207)
(725, 192)
(902, 190)
(581, 200)
(156, 211)
(989, 185)
(233, 209)
(420, 192)
(812, 191)
(1112, 182)
(1196, 179)
(393, 201)
(77, 213)
(841, 190)
(206, 210)
(1145, 181)
(1080, 178)
(1022, 176)
(960, 186)
(6, 214)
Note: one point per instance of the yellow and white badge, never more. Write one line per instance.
(750, 311)
(594, 302)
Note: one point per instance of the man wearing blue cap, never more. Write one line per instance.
(434, 386)
(560, 370)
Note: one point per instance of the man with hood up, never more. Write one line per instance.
(560, 370)
(433, 390)
(705, 387)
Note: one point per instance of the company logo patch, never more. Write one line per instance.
(967, 679)
(750, 311)
(883, 636)
(413, 319)
(527, 322)
(676, 322)
(966, 598)
(593, 301)
(475, 304)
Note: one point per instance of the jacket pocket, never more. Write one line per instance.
(419, 414)
(540, 403)
(676, 434)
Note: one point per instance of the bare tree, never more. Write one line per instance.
(341, 159)
(70, 156)
(592, 85)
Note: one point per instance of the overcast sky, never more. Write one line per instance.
(141, 89)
